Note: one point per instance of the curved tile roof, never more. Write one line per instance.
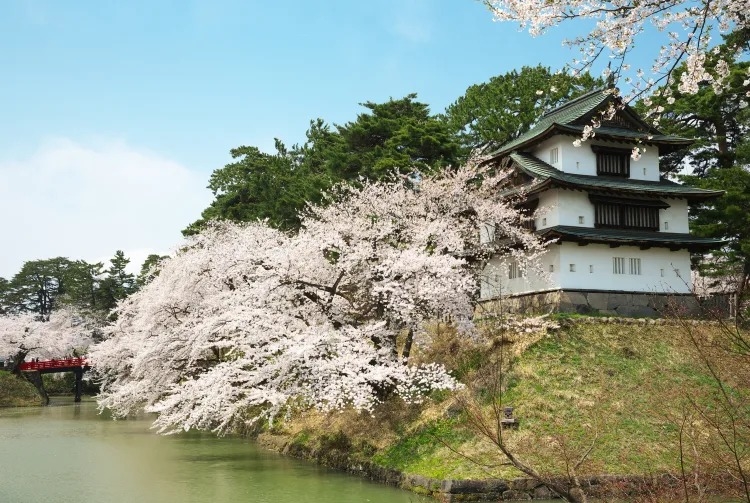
(626, 237)
(564, 118)
(549, 175)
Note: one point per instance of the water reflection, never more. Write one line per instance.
(70, 453)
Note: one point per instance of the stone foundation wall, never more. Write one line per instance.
(621, 488)
(610, 303)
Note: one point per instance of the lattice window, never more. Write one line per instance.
(618, 265)
(637, 217)
(625, 214)
(635, 266)
(554, 155)
(612, 161)
(608, 215)
(514, 271)
(527, 210)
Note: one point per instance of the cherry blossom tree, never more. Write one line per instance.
(687, 27)
(29, 335)
(245, 322)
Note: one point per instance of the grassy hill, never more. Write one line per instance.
(15, 392)
(622, 397)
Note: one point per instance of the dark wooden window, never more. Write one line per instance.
(627, 213)
(612, 161)
(527, 209)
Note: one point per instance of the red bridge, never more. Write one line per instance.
(48, 366)
(33, 372)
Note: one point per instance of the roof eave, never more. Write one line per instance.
(551, 181)
(676, 244)
(541, 136)
(670, 145)
(565, 184)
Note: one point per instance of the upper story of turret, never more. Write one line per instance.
(616, 130)
(602, 183)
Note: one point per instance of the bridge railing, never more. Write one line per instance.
(53, 364)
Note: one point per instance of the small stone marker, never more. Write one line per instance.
(508, 421)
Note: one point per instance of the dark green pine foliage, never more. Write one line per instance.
(257, 186)
(118, 283)
(4, 292)
(84, 285)
(719, 120)
(41, 286)
(398, 135)
(727, 217)
(495, 112)
(149, 269)
(38, 286)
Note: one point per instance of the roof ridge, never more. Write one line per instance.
(574, 101)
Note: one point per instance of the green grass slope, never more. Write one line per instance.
(620, 396)
(15, 392)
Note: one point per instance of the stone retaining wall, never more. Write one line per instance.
(454, 491)
(613, 303)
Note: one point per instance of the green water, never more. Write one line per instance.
(69, 453)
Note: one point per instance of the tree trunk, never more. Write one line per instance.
(725, 157)
(407, 345)
(16, 361)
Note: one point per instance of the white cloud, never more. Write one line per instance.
(85, 201)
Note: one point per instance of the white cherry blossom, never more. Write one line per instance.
(246, 322)
(686, 27)
(59, 335)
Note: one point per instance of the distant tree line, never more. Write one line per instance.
(43, 286)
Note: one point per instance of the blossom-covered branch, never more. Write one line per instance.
(247, 322)
(31, 335)
(687, 27)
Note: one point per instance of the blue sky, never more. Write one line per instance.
(116, 113)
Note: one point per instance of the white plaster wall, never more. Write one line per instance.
(495, 281)
(573, 204)
(542, 150)
(563, 207)
(548, 211)
(582, 160)
(647, 167)
(593, 269)
(579, 160)
(676, 215)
